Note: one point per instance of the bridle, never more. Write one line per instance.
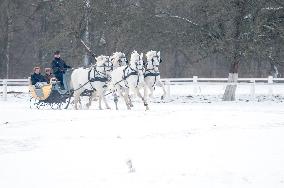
(121, 63)
(154, 65)
(101, 75)
(130, 71)
(154, 71)
(139, 64)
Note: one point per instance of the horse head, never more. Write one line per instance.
(153, 60)
(136, 61)
(103, 64)
(118, 59)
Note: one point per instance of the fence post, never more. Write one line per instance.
(195, 82)
(167, 83)
(270, 89)
(252, 89)
(5, 84)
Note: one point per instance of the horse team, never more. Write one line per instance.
(115, 75)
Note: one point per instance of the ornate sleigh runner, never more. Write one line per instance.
(50, 95)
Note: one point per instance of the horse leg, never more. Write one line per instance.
(159, 83)
(100, 102)
(145, 91)
(151, 91)
(104, 99)
(125, 96)
(143, 99)
(115, 100)
(93, 95)
(80, 102)
(126, 102)
(130, 101)
(76, 99)
(148, 85)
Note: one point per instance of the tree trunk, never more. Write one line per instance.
(87, 34)
(230, 92)
(231, 88)
(9, 38)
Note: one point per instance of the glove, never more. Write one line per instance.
(38, 85)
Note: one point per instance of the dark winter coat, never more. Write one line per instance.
(59, 66)
(48, 77)
(35, 78)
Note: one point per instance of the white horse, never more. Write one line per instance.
(93, 79)
(118, 59)
(129, 77)
(152, 74)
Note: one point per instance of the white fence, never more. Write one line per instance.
(12, 82)
(195, 82)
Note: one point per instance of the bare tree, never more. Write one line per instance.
(196, 37)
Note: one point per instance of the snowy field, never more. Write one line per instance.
(186, 141)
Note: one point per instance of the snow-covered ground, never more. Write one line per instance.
(187, 141)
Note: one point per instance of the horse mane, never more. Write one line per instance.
(115, 56)
(100, 59)
(151, 54)
(134, 57)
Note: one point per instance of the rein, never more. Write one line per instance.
(132, 73)
(81, 86)
(151, 72)
(96, 78)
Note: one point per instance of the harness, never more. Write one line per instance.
(133, 72)
(151, 72)
(126, 75)
(97, 76)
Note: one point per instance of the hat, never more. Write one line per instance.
(47, 69)
(57, 52)
(36, 68)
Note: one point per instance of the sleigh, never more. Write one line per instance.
(41, 93)
(49, 96)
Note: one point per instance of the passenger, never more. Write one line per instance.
(37, 78)
(48, 75)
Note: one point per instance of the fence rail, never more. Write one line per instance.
(194, 81)
(12, 82)
(252, 82)
(222, 80)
